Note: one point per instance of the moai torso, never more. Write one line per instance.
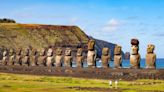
(42, 58)
(18, 60)
(68, 58)
(5, 58)
(12, 57)
(26, 58)
(105, 58)
(33, 58)
(117, 57)
(79, 57)
(150, 57)
(135, 56)
(50, 58)
(58, 57)
(91, 55)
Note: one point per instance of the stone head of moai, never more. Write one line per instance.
(5, 53)
(11, 56)
(42, 52)
(150, 57)
(117, 50)
(135, 56)
(26, 52)
(91, 45)
(26, 58)
(59, 51)
(68, 52)
(50, 52)
(118, 56)
(34, 52)
(150, 48)
(79, 52)
(105, 57)
(11, 52)
(19, 51)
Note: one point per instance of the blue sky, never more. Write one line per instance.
(116, 21)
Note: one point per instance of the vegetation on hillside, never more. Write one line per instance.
(6, 20)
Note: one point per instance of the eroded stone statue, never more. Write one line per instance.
(5, 58)
(105, 57)
(58, 57)
(150, 57)
(135, 56)
(33, 58)
(12, 57)
(26, 57)
(118, 56)
(50, 59)
(79, 57)
(42, 57)
(91, 55)
(19, 55)
(68, 58)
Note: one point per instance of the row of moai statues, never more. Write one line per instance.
(47, 58)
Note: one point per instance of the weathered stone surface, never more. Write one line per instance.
(42, 57)
(5, 58)
(12, 57)
(79, 57)
(105, 58)
(91, 55)
(19, 56)
(68, 58)
(33, 58)
(26, 58)
(50, 59)
(58, 57)
(117, 56)
(135, 56)
(150, 57)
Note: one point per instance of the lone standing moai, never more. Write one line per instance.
(150, 57)
(42, 57)
(50, 59)
(117, 56)
(26, 58)
(135, 56)
(12, 57)
(91, 55)
(58, 57)
(105, 57)
(79, 57)
(68, 58)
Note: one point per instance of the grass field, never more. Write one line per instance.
(31, 83)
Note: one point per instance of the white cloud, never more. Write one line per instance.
(111, 25)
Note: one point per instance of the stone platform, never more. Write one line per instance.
(93, 73)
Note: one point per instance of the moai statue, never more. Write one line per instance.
(50, 59)
(117, 57)
(135, 56)
(12, 57)
(105, 57)
(150, 57)
(58, 57)
(18, 60)
(33, 57)
(91, 55)
(42, 57)
(5, 58)
(68, 58)
(26, 58)
(79, 57)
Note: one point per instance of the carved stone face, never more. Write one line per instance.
(105, 51)
(34, 52)
(42, 52)
(19, 51)
(150, 48)
(134, 49)
(26, 52)
(91, 45)
(50, 52)
(117, 50)
(59, 51)
(5, 53)
(79, 51)
(68, 52)
(11, 52)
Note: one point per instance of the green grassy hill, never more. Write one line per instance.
(24, 35)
